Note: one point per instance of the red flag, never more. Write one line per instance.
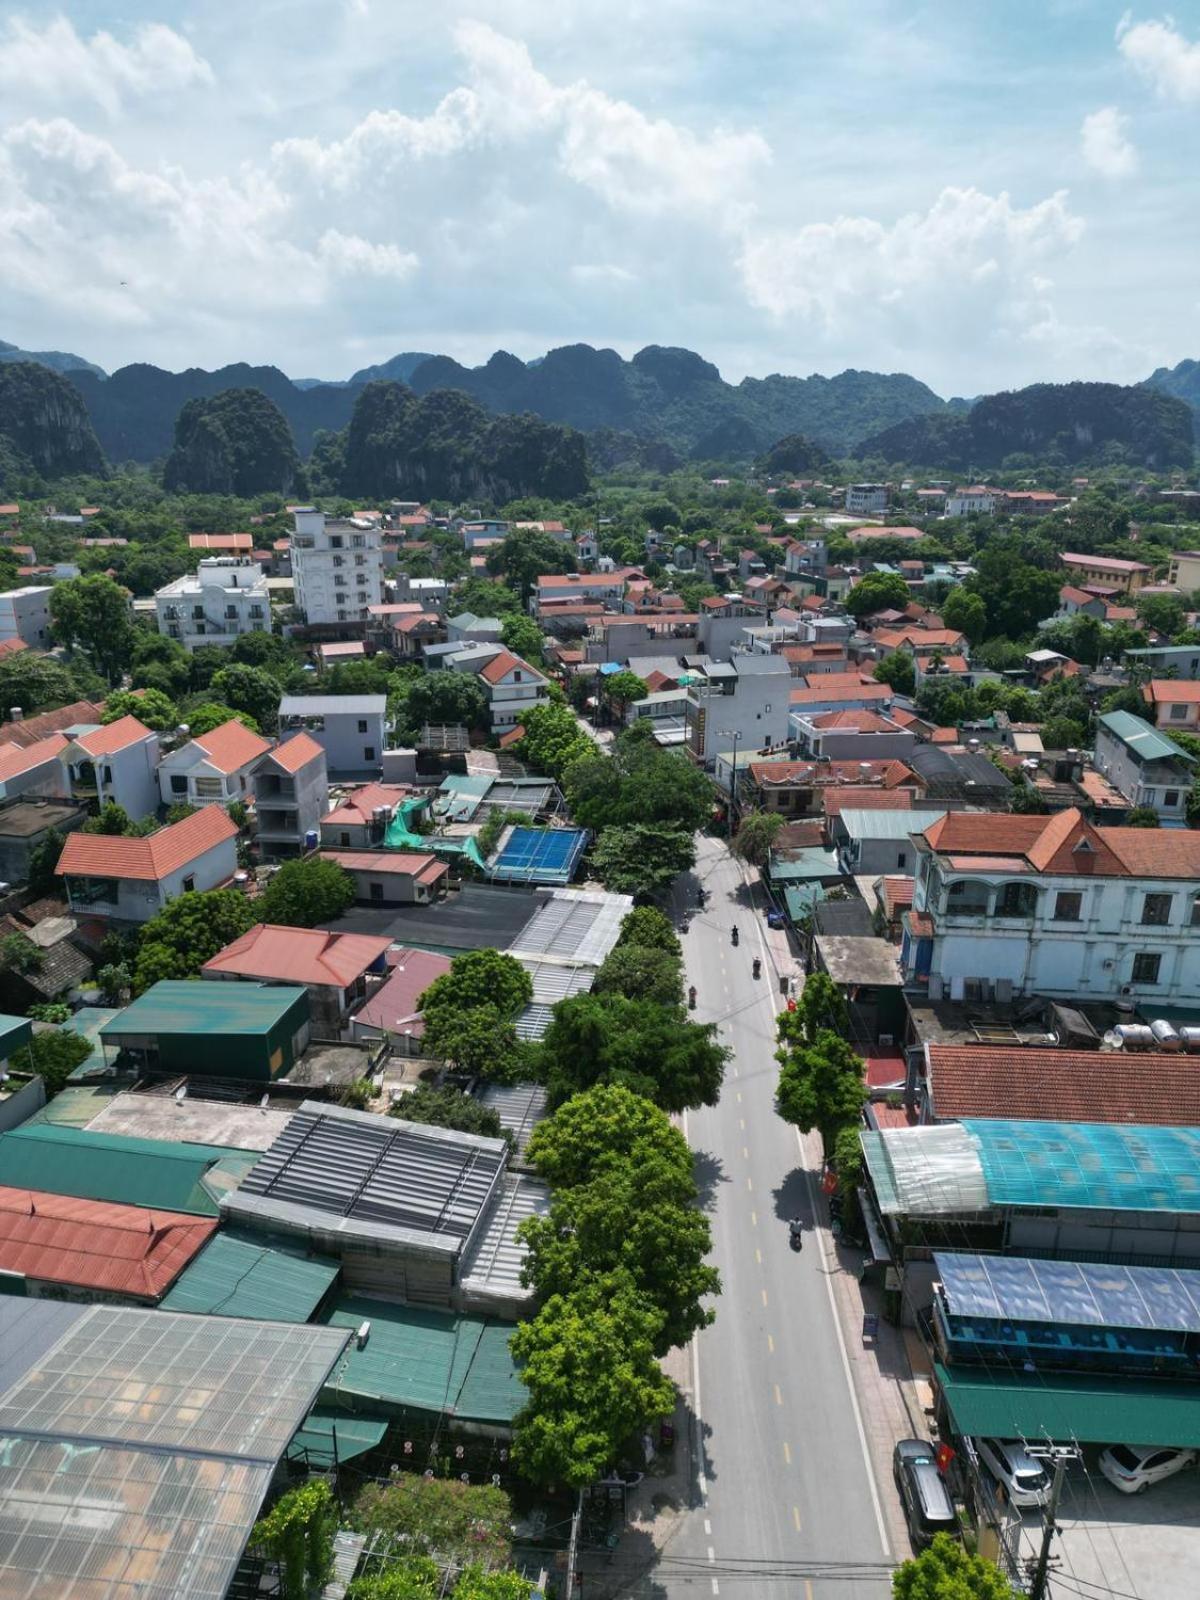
(945, 1455)
(829, 1181)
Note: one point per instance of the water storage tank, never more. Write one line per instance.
(1165, 1036)
(311, 839)
(1189, 1038)
(1134, 1036)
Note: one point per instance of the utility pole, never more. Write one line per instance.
(1060, 1455)
(731, 733)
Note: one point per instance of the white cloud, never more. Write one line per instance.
(347, 253)
(1162, 55)
(55, 62)
(1104, 143)
(601, 272)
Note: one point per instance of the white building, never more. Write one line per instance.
(350, 728)
(1007, 906)
(337, 567)
(213, 769)
(117, 764)
(742, 702)
(866, 499)
(25, 614)
(131, 880)
(970, 502)
(227, 596)
(512, 686)
(291, 795)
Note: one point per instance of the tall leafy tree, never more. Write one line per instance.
(305, 893)
(967, 613)
(642, 860)
(189, 931)
(249, 689)
(878, 591)
(640, 783)
(756, 837)
(651, 929)
(523, 637)
(947, 1571)
(604, 1130)
(820, 1083)
(553, 741)
(92, 614)
(528, 554)
(650, 1048)
(152, 708)
(640, 973)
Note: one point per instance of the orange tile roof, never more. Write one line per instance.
(1037, 1085)
(114, 736)
(499, 666)
(391, 862)
(1078, 597)
(944, 736)
(815, 694)
(92, 1244)
(1071, 558)
(232, 745)
(296, 752)
(858, 721)
(359, 805)
(16, 759)
(10, 647)
(299, 955)
(863, 797)
(99, 855)
(1053, 845)
(919, 638)
(513, 736)
(1171, 691)
(220, 541)
(897, 892)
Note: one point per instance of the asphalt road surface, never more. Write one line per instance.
(786, 1503)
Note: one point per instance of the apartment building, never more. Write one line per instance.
(25, 615)
(866, 499)
(977, 500)
(226, 597)
(291, 793)
(350, 728)
(1144, 765)
(1105, 572)
(1008, 906)
(1184, 571)
(337, 567)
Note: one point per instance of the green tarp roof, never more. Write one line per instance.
(107, 1166)
(331, 1437)
(1092, 1408)
(233, 1278)
(180, 1006)
(422, 1360)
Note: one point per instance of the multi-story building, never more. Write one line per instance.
(115, 764)
(1007, 906)
(291, 792)
(337, 567)
(1175, 703)
(741, 703)
(214, 768)
(1148, 768)
(1184, 571)
(131, 880)
(25, 615)
(974, 501)
(512, 686)
(350, 728)
(866, 499)
(1105, 572)
(227, 596)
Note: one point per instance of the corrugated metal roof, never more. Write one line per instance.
(520, 1106)
(372, 1178)
(799, 866)
(574, 925)
(492, 1264)
(1092, 1408)
(863, 824)
(233, 1277)
(175, 1006)
(1148, 743)
(328, 1437)
(425, 1361)
(99, 1166)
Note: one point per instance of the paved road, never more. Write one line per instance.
(786, 1488)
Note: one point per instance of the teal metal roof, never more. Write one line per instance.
(327, 1438)
(810, 862)
(800, 898)
(107, 1166)
(233, 1278)
(178, 1006)
(1145, 741)
(88, 1021)
(14, 1032)
(1092, 1408)
(1089, 1164)
(863, 823)
(425, 1361)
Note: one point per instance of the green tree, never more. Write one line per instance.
(1143, 817)
(523, 637)
(37, 683)
(456, 1521)
(54, 1056)
(605, 1130)
(476, 1584)
(249, 689)
(151, 707)
(621, 689)
(448, 1108)
(43, 859)
(92, 614)
(410, 1578)
(877, 591)
(212, 714)
(479, 978)
(640, 973)
(651, 1049)
(821, 1004)
(1063, 733)
(189, 931)
(947, 1571)
(641, 860)
(756, 836)
(484, 597)
(640, 783)
(298, 1533)
(966, 613)
(899, 670)
(648, 927)
(588, 1363)
(526, 555)
(19, 953)
(111, 819)
(820, 1083)
(305, 893)
(553, 740)
(1164, 613)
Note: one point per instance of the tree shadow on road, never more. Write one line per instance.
(709, 1171)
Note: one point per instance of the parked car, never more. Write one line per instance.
(1025, 1479)
(928, 1508)
(1134, 1467)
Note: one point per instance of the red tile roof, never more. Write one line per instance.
(1171, 691)
(863, 797)
(393, 1006)
(99, 855)
(232, 745)
(504, 663)
(857, 721)
(1063, 1085)
(919, 638)
(299, 955)
(1066, 844)
(814, 693)
(872, 532)
(358, 808)
(393, 863)
(1078, 597)
(296, 752)
(513, 736)
(944, 736)
(16, 759)
(30, 729)
(114, 736)
(1071, 558)
(10, 647)
(91, 1244)
(220, 541)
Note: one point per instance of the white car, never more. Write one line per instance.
(1024, 1477)
(1134, 1467)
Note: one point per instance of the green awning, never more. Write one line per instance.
(1093, 1408)
(800, 898)
(329, 1437)
(233, 1277)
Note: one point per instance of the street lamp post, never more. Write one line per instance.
(731, 733)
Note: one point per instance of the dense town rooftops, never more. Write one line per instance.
(1064, 843)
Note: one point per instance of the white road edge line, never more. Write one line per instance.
(696, 1413)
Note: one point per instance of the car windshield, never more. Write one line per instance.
(1125, 1458)
(1030, 1478)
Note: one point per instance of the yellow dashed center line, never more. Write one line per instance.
(787, 1453)
(778, 1396)
(796, 1519)
(764, 1297)
(770, 1345)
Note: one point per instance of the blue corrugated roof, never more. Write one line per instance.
(1088, 1165)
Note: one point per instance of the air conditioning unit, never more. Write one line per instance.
(887, 1038)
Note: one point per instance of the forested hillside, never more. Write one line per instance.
(44, 427)
(237, 442)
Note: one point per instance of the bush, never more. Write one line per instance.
(298, 1533)
(449, 1108)
(441, 1516)
(54, 1056)
(305, 893)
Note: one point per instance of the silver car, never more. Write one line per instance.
(1025, 1479)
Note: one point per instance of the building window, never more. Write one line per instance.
(1068, 906)
(368, 752)
(189, 883)
(1145, 969)
(209, 788)
(376, 891)
(337, 561)
(335, 542)
(1016, 900)
(178, 783)
(1156, 910)
(1178, 713)
(345, 838)
(362, 726)
(1196, 911)
(1171, 799)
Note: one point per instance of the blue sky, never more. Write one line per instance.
(983, 194)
